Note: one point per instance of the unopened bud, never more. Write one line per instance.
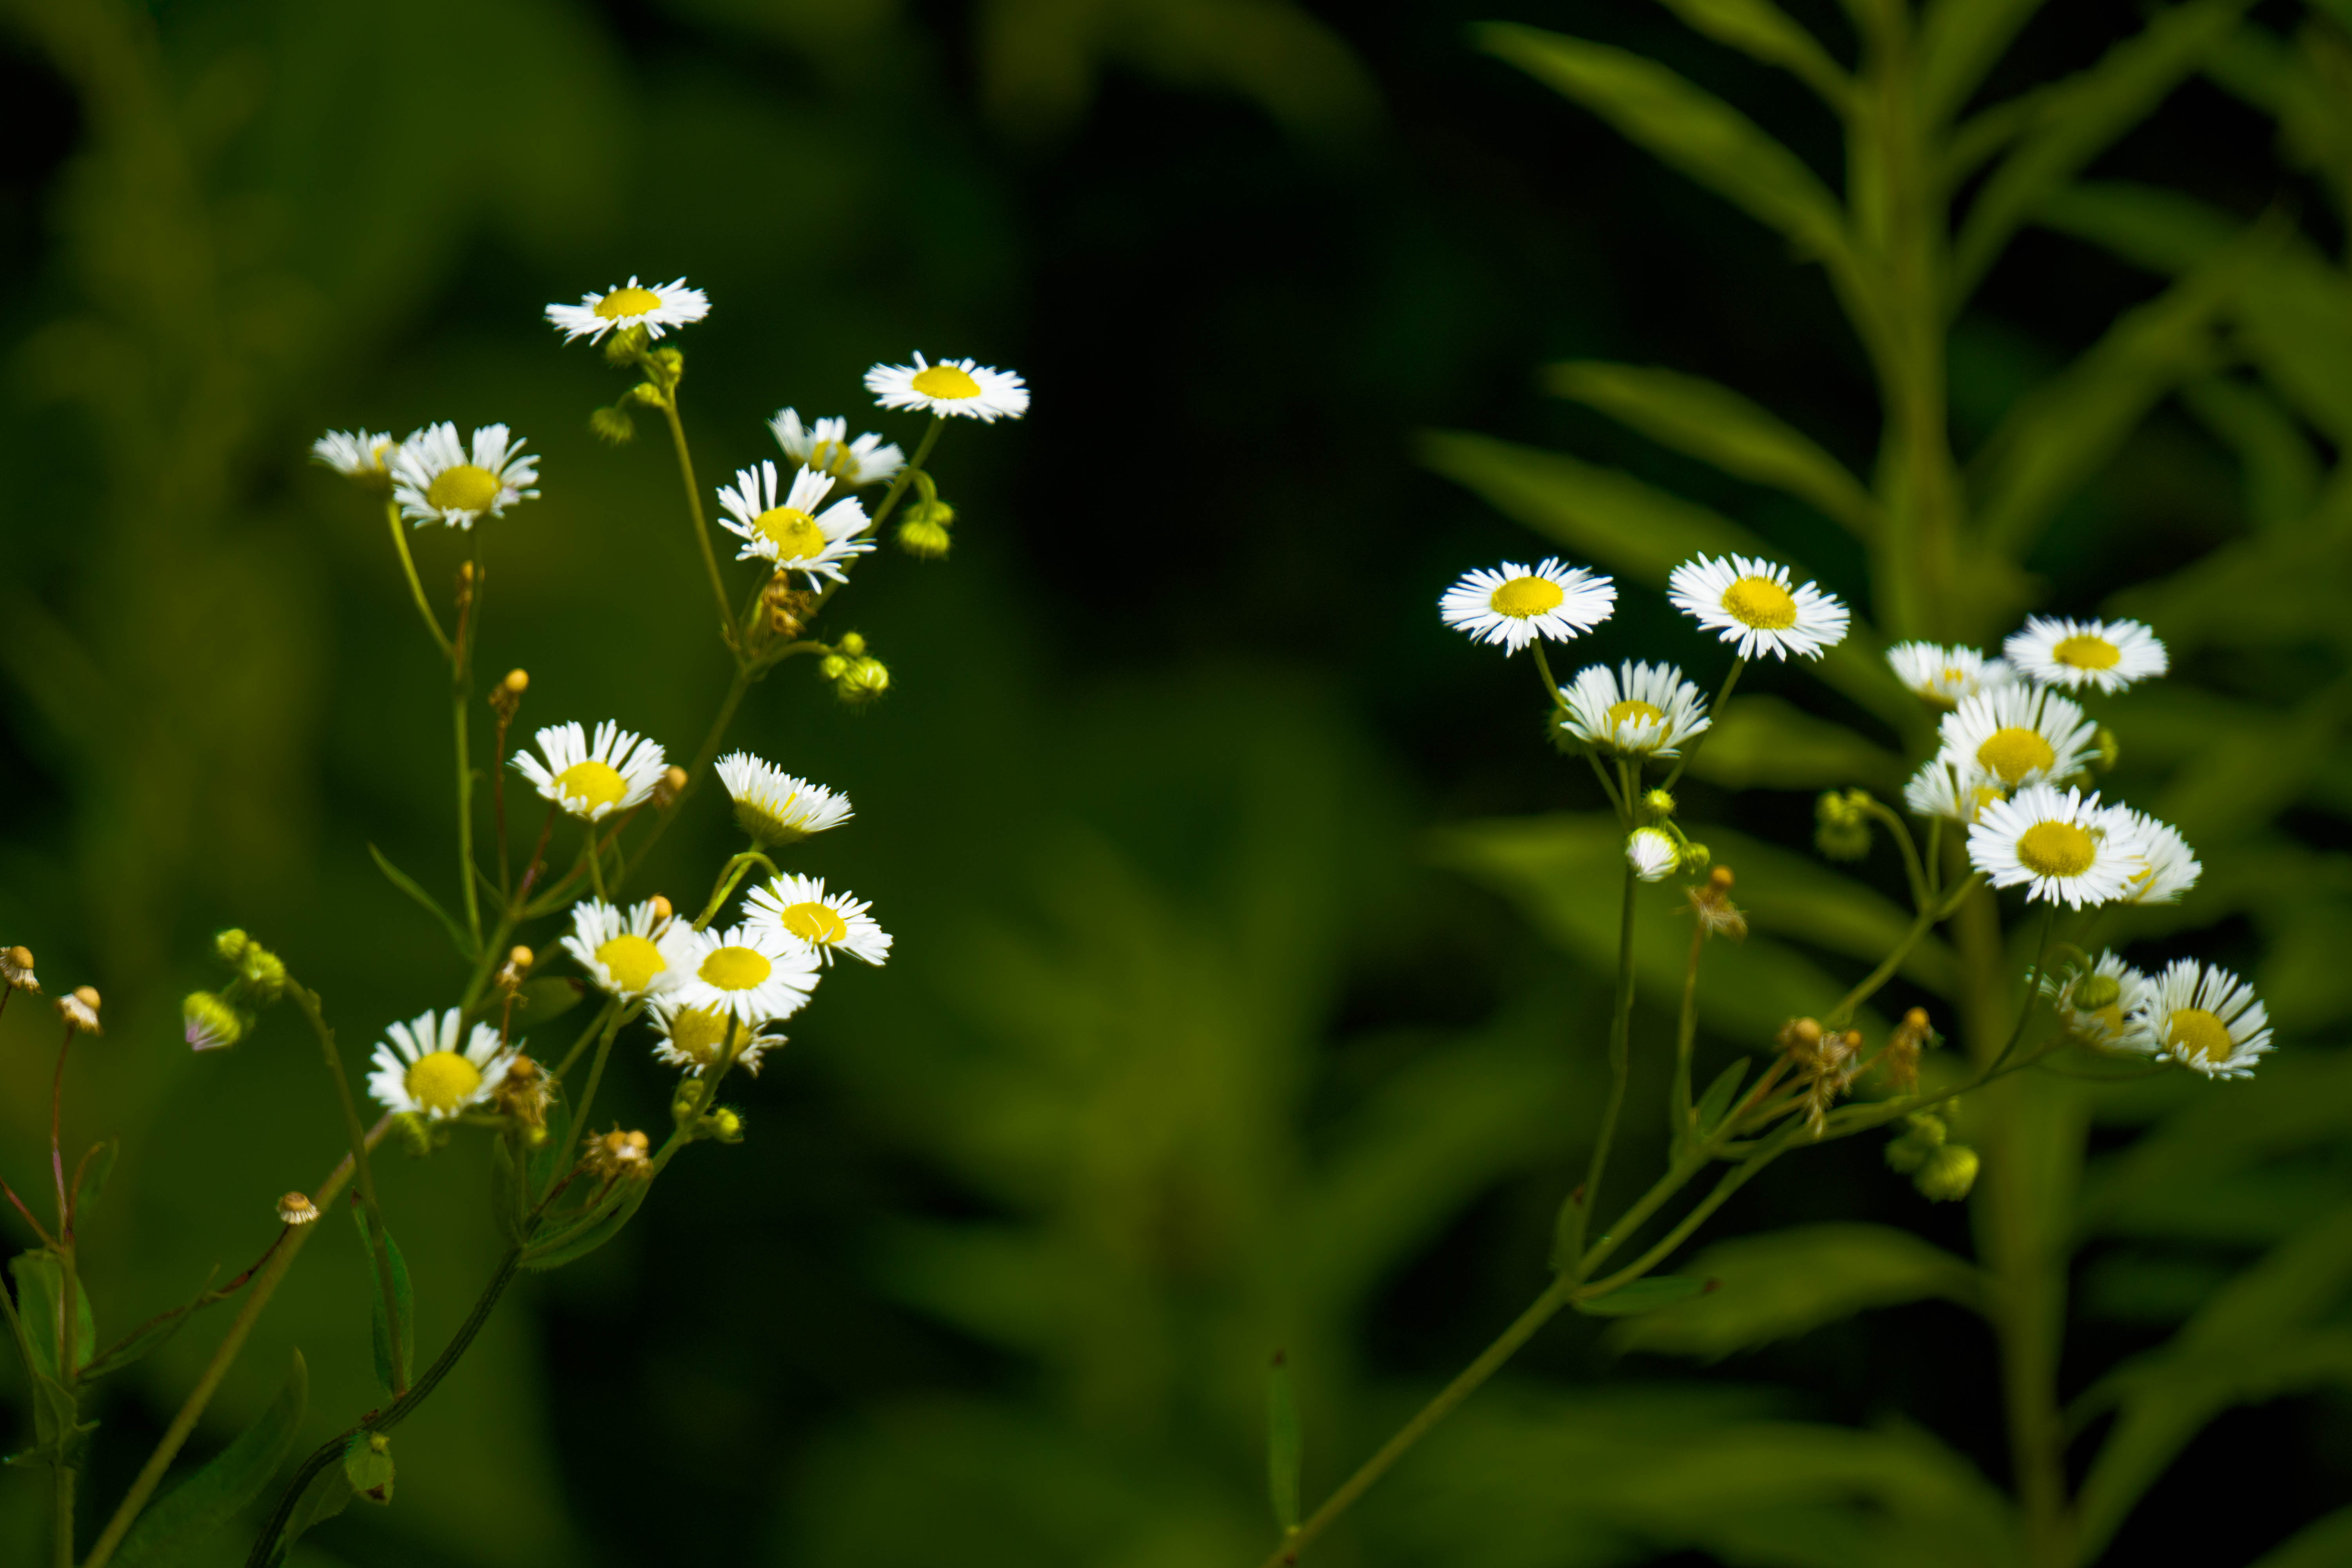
(1842, 829)
(296, 1208)
(832, 667)
(517, 681)
(612, 427)
(1923, 1135)
(2094, 992)
(725, 1125)
(210, 1024)
(864, 680)
(622, 347)
(924, 539)
(415, 1135)
(1947, 1175)
(520, 957)
(1658, 803)
(669, 786)
(661, 907)
(1803, 1033)
(852, 644)
(1720, 878)
(2109, 750)
(1695, 855)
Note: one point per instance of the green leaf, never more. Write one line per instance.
(1764, 31)
(146, 1339)
(1789, 1282)
(2080, 118)
(1959, 41)
(2148, 227)
(89, 1178)
(1716, 1101)
(181, 1526)
(1284, 1446)
(407, 884)
(508, 1201)
(391, 1374)
(2281, 467)
(328, 1493)
(548, 996)
(1646, 1295)
(540, 1167)
(40, 1296)
(600, 1226)
(2325, 1544)
(1711, 422)
(1763, 742)
(367, 1466)
(1686, 127)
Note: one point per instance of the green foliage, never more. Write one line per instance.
(394, 1346)
(180, 1527)
(1789, 1282)
(1651, 1294)
(1283, 1444)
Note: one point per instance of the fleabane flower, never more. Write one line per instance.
(436, 479)
(422, 1069)
(2205, 1017)
(2110, 654)
(1946, 789)
(800, 909)
(1636, 711)
(693, 1037)
(360, 455)
(656, 307)
(2099, 1003)
(826, 447)
(621, 952)
(2062, 849)
(753, 974)
(773, 806)
(787, 528)
(2014, 735)
(1652, 854)
(2172, 867)
(1751, 605)
(1946, 675)
(953, 386)
(1515, 605)
(592, 779)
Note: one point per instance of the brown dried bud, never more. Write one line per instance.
(669, 786)
(80, 1009)
(616, 1152)
(789, 608)
(16, 968)
(525, 1092)
(296, 1208)
(661, 907)
(507, 695)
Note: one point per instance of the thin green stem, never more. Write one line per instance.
(1543, 669)
(586, 1034)
(1870, 984)
(596, 1069)
(416, 585)
(1731, 679)
(905, 476)
(730, 876)
(701, 520)
(63, 1498)
(588, 852)
(2033, 985)
(1738, 1176)
(306, 1001)
(703, 757)
(1913, 870)
(1621, 1025)
(1682, 1120)
(1616, 802)
(225, 1354)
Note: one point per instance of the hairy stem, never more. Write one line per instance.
(700, 519)
(308, 1000)
(1621, 1025)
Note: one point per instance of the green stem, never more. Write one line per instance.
(1682, 1120)
(1738, 1176)
(1913, 869)
(730, 876)
(1871, 983)
(1617, 802)
(700, 519)
(586, 1034)
(703, 757)
(308, 1002)
(2032, 985)
(1543, 668)
(63, 1538)
(1621, 1025)
(905, 476)
(225, 1354)
(596, 1073)
(416, 585)
(1731, 679)
(460, 672)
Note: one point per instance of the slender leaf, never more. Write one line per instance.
(1691, 130)
(507, 1199)
(1959, 41)
(1764, 31)
(1284, 1445)
(148, 1337)
(181, 1526)
(2079, 119)
(328, 1493)
(2327, 1543)
(1711, 422)
(1646, 1296)
(593, 1231)
(91, 1174)
(1716, 1101)
(395, 1358)
(1789, 1282)
(40, 1296)
(548, 996)
(408, 884)
(2281, 467)
(2148, 227)
(367, 1465)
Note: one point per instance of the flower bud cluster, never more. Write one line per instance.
(214, 1020)
(1942, 1170)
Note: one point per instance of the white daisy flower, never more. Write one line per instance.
(621, 952)
(2172, 867)
(1652, 854)
(1639, 710)
(2207, 1018)
(693, 1037)
(1944, 788)
(788, 529)
(1946, 675)
(593, 779)
(656, 307)
(2014, 735)
(436, 480)
(826, 447)
(2062, 848)
(753, 973)
(1751, 605)
(2099, 1003)
(2110, 654)
(951, 387)
(420, 1068)
(800, 909)
(1515, 604)
(360, 455)
(773, 806)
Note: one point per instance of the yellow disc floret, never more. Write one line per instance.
(2087, 653)
(631, 961)
(2056, 850)
(944, 381)
(2012, 753)
(1633, 710)
(627, 302)
(463, 488)
(592, 783)
(736, 968)
(794, 533)
(699, 1031)
(814, 921)
(1761, 602)
(1525, 596)
(2197, 1033)
(442, 1082)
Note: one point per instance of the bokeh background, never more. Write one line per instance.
(1191, 1047)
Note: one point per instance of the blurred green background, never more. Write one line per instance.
(1189, 1048)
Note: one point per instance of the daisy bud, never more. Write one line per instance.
(16, 968)
(665, 792)
(296, 1208)
(832, 667)
(864, 680)
(1841, 832)
(851, 644)
(612, 427)
(210, 1022)
(2109, 750)
(1695, 855)
(80, 1009)
(723, 1124)
(1947, 1175)
(1652, 854)
(1923, 1135)
(624, 346)
(415, 1135)
(1800, 1036)
(671, 363)
(1657, 803)
(924, 539)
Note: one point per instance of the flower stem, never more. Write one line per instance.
(1715, 708)
(1621, 1025)
(416, 585)
(701, 520)
(308, 1000)
(905, 476)
(1682, 1121)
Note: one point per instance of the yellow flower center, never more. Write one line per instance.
(632, 962)
(794, 533)
(463, 488)
(622, 302)
(1524, 596)
(442, 1082)
(2197, 1033)
(736, 968)
(2056, 850)
(699, 1031)
(2012, 753)
(2087, 653)
(1761, 602)
(945, 381)
(814, 921)
(1632, 711)
(591, 784)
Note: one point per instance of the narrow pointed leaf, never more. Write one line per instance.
(1645, 1296)
(182, 1526)
(2325, 1544)
(1764, 32)
(90, 1176)
(548, 996)
(1716, 1101)
(40, 1295)
(1959, 41)
(1789, 1282)
(1284, 1445)
(590, 1232)
(407, 884)
(328, 1493)
(395, 1355)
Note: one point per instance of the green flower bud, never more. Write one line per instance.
(2094, 992)
(1947, 1175)
(2110, 750)
(723, 1124)
(923, 539)
(1923, 1136)
(1657, 803)
(864, 680)
(612, 427)
(367, 1465)
(623, 347)
(415, 1134)
(212, 1024)
(851, 644)
(1841, 831)
(262, 972)
(832, 667)
(1695, 857)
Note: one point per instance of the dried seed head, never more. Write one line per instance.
(296, 1208)
(80, 1009)
(661, 907)
(16, 968)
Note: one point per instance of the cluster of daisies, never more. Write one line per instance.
(2014, 753)
(712, 995)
